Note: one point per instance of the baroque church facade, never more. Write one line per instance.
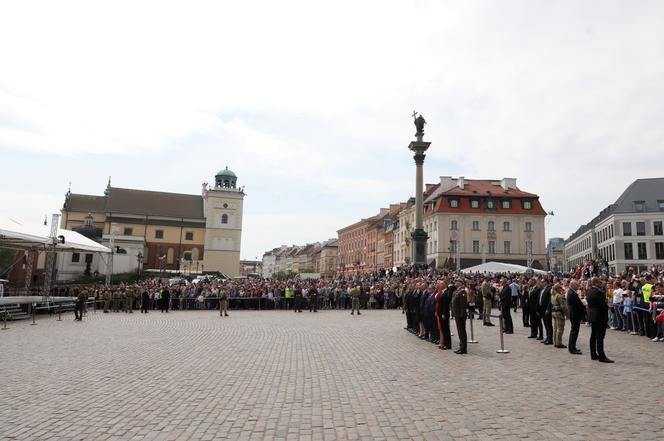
(157, 231)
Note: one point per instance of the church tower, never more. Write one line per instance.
(222, 205)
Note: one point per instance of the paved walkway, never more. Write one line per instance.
(280, 375)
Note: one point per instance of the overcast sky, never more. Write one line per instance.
(309, 103)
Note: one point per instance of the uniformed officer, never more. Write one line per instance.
(460, 310)
(81, 297)
(223, 301)
(355, 302)
(117, 295)
(107, 299)
(129, 299)
(558, 313)
(313, 299)
(298, 298)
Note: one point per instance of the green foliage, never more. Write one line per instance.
(307, 270)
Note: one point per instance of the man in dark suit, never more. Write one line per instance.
(535, 313)
(576, 311)
(545, 308)
(444, 315)
(598, 315)
(505, 306)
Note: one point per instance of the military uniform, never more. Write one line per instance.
(558, 313)
(460, 309)
(117, 295)
(129, 300)
(486, 303)
(355, 296)
(223, 302)
(80, 302)
(107, 299)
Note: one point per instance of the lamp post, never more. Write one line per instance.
(139, 258)
(419, 236)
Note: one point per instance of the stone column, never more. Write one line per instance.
(419, 236)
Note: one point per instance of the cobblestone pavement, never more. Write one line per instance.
(329, 375)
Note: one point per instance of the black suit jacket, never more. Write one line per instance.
(444, 303)
(575, 306)
(598, 310)
(533, 300)
(545, 299)
(506, 297)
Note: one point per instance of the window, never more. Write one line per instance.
(639, 206)
(128, 231)
(529, 226)
(189, 235)
(476, 225)
(454, 225)
(627, 228)
(159, 234)
(506, 226)
(507, 247)
(492, 247)
(657, 228)
(453, 246)
(629, 251)
(88, 258)
(659, 250)
(492, 226)
(660, 205)
(490, 204)
(474, 203)
(506, 204)
(454, 203)
(641, 248)
(640, 228)
(527, 205)
(224, 218)
(476, 247)
(169, 256)
(75, 257)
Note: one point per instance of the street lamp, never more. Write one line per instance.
(139, 258)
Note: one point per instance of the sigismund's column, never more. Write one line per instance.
(419, 236)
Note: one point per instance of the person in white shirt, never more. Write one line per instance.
(617, 303)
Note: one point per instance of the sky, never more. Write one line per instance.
(309, 103)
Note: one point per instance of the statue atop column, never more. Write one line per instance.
(419, 124)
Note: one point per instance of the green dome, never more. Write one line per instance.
(226, 172)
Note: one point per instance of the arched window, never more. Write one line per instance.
(492, 226)
(224, 218)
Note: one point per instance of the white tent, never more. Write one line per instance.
(500, 267)
(16, 236)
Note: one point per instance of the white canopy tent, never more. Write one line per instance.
(16, 236)
(500, 267)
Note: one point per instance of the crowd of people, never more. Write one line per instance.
(431, 299)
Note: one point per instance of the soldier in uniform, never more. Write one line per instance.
(81, 297)
(223, 301)
(313, 299)
(129, 299)
(355, 296)
(107, 299)
(459, 309)
(558, 313)
(117, 295)
(487, 299)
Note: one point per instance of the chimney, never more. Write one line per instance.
(508, 183)
(446, 183)
(460, 182)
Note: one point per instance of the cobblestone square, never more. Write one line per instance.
(279, 375)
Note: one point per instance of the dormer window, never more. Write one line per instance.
(88, 221)
(639, 206)
(454, 203)
(506, 204)
(490, 204)
(474, 203)
(527, 205)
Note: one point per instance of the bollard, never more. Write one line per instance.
(34, 310)
(472, 333)
(502, 349)
(4, 326)
(59, 314)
